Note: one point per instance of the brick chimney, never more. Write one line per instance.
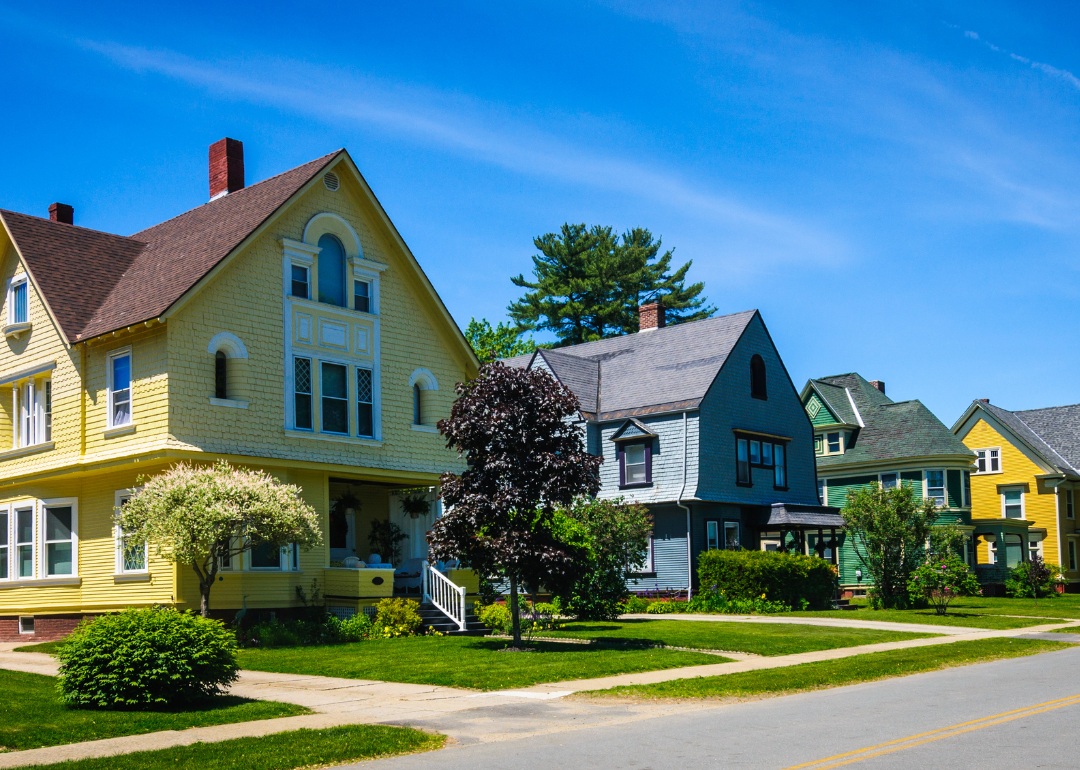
(226, 167)
(985, 400)
(879, 385)
(63, 213)
(650, 316)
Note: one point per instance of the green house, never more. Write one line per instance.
(862, 436)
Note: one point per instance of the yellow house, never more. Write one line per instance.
(283, 326)
(1023, 486)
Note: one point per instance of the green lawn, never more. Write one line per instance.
(468, 662)
(834, 673)
(47, 647)
(30, 716)
(283, 751)
(1064, 606)
(958, 616)
(759, 638)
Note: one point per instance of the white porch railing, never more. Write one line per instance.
(444, 594)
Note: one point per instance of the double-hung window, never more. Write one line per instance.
(119, 401)
(742, 461)
(731, 535)
(302, 417)
(1012, 503)
(59, 540)
(988, 460)
(712, 535)
(1069, 511)
(365, 418)
(25, 543)
(1072, 556)
(821, 491)
(635, 464)
(362, 296)
(32, 408)
(935, 487)
(833, 442)
(889, 480)
(266, 556)
(779, 466)
(301, 282)
(334, 401)
(5, 546)
(17, 301)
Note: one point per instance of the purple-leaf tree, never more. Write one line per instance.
(526, 458)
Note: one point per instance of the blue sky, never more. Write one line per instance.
(892, 185)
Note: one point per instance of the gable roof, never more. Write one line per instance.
(1052, 433)
(95, 283)
(891, 430)
(645, 373)
(836, 400)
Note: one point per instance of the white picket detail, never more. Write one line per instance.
(444, 594)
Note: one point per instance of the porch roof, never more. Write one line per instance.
(788, 514)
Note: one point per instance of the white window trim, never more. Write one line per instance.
(647, 565)
(118, 539)
(285, 560)
(350, 394)
(1070, 503)
(1023, 501)
(316, 430)
(1001, 464)
(109, 358)
(1039, 550)
(881, 478)
(42, 548)
(15, 282)
(944, 485)
(35, 542)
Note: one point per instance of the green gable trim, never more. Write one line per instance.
(819, 413)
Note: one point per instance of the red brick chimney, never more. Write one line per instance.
(985, 400)
(63, 213)
(226, 167)
(879, 385)
(650, 316)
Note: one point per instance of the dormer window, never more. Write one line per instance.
(635, 463)
(758, 386)
(833, 443)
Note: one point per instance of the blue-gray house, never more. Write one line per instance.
(700, 422)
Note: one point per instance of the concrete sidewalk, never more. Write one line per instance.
(878, 625)
(493, 715)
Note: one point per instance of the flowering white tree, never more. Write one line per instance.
(204, 515)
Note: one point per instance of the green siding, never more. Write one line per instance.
(838, 488)
(849, 562)
(824, 416)
(915, 480)
(954, 489)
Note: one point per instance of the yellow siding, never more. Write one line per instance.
(1040, 504)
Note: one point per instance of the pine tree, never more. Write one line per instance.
(589, 283)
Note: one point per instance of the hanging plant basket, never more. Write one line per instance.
(416, 505)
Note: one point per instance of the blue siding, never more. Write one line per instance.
(728, 406)
(667, 458)
(669, 552)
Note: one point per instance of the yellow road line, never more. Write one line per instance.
(838, 760)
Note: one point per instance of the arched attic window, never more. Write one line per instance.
(423, 409)
(221, 378)
(331, 261)
(417, 406)
(758, 386)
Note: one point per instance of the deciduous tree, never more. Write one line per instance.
(494, 342)
(525, 460)
(202, 515)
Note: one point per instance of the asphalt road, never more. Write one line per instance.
(1020, 713)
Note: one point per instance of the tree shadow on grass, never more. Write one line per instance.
(202, 705)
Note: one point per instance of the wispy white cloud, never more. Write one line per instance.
(487, 132)
(1049, 69)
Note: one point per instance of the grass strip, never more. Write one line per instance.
(49, 648)
(757, 638)
(283, 751)
(476, 663)
(30, 716)
(963, 618)
(835, 673)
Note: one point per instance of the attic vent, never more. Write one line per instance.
(330, 179)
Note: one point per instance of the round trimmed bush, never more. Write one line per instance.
(792, 579)
(146, 658)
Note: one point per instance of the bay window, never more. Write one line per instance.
(768, 455)
(935, 487)
(329, 391)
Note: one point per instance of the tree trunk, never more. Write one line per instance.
(515, 619)
(206, 582)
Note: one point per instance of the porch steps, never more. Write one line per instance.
(435, 619)
(844, 604)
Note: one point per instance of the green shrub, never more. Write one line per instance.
(397, 617)
(634, 605)
(719, 602)
(1033, 579)
(939, 581)
(356, 629)
(794, 580)
(144, 658)
(495, 616)
(666, 607)
(541, 617)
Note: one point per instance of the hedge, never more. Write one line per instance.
(781, 577)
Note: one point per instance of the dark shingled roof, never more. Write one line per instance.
(1053, 432)
(95, 282)
(647, 372)
(893, 430)
(836, 399)
(786, 514)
